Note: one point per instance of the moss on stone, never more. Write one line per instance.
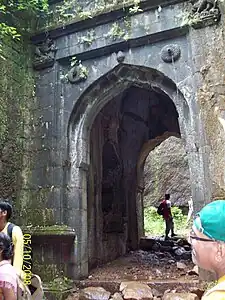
(49, 230)
(17, 102)
(47, 271)
(57, 22)
(59, 284)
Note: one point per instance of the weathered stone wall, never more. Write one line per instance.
(68, 104)
(17, 105)
(208, 51)
(166, 171)
(22, 150)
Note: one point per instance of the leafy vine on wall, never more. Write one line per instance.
(10, 8)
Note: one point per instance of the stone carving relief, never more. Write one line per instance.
(44, 55)
(207, 11)
(77, 74)
(120, 57)
(170, 53)
(204, 5)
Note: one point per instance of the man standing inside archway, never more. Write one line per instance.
(164, 209)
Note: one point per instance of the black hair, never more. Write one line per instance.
(6, 246)
(5, 206)
(167, 197)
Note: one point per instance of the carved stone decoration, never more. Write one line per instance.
(170, 53)
(76, 74)
(120, 57)
(203, 5)
(44, 55)
(205, 13)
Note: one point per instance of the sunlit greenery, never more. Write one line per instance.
(155, 225)
(9, 8)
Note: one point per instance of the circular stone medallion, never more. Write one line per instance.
(170, 53)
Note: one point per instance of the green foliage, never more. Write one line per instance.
(83, 71)
(155, 225)
(89, 38)
(120, 31)
(60, 283)
(136, 8)
(12, 7)
(71, 10)
(19, 5)
(16, 104)
(73, 61)
(189, 19)
(116, 32)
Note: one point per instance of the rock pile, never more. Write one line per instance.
(131, 290)
(176, 249)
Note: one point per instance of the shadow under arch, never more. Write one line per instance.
(86, 108)
(115, 82)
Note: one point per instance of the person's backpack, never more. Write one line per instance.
(9, 232)
(23, 292)
(160, 209)
(34, 291)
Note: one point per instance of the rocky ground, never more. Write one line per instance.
(161, 270)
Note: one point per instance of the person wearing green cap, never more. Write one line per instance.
(207, 238)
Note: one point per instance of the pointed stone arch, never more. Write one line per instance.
(86, 108)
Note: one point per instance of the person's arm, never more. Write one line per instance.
(17, 238)
(8, 293)
(168, 203)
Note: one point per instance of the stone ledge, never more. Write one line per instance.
(204, 22)
(122, 45)
(54, 230)
(99, 19)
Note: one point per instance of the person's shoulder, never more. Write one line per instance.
(16, 229)
(8, 269)
(215, 295)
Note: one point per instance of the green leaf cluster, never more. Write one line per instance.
(9, 8)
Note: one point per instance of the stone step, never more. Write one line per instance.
(159, 285)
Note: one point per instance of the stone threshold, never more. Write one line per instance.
(160, 285)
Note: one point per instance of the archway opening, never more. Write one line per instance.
(95, 210)
(166, 170)
(121, 130)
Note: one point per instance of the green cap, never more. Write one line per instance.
(211, 221)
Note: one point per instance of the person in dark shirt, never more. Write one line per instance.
(164, 209)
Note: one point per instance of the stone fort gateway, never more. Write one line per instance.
(110, 87)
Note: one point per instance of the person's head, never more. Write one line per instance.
(5, 210)
(167, 196)
(207, 237)
(6, 247)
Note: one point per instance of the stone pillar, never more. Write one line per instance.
(140, 211)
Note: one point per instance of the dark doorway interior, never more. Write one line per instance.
(118, 135)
